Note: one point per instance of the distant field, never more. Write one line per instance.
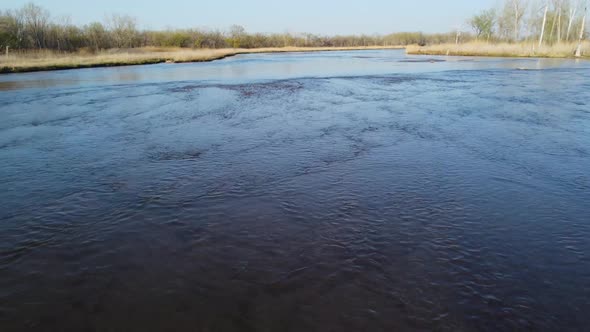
(48, 60)
(563, 50)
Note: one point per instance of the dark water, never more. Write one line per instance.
(351, 191)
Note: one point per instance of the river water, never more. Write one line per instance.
(336, 191)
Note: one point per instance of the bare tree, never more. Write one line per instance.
(510, 19)
(559, 9)
(97, 36)
(543, 25)
(12, 28)
(572, 16)
(32, 28)
(60, 32)
(7, 35)
(237, 33)
(483, 23)
(123, 29)
(519, 10)
(582, 30)
(553, 20)
(36, 20)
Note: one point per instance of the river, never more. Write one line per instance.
(329, 191)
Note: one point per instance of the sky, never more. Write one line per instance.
(316, 16)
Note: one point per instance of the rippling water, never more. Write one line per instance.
(348, 191)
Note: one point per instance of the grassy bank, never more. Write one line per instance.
(563, 50)
(47, 60)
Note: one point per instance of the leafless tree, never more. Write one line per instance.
(572, 15)
(36, 20)
(543, 25)
(582, 30)
(519, 10)
(123, 29)
(510, 18)
(237, 33)
(559, 10)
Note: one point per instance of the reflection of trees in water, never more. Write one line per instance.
(126, 75)
(15, 85)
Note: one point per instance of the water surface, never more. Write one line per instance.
(331, 191)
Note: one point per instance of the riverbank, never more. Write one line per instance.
(20, 62)
(46, 60)
(562, 50)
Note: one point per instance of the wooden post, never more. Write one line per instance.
(7, 51)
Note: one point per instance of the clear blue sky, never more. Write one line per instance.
(316, 16)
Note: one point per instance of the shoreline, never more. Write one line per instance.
(502, 50)
(47, 61)
(27, 63)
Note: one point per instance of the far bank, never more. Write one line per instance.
(46, 60)
(528, 50)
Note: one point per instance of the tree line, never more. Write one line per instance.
(33, 27)
(542, 21)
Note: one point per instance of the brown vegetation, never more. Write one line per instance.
(531, 49)
(48, 60)
(32, 40)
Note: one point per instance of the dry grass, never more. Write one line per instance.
(47, 60)
(562, 50)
